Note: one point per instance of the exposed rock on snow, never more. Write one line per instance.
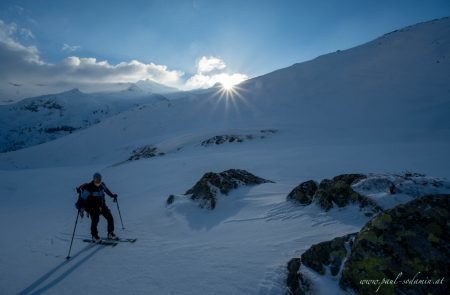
(320, 257)
(221, 139)
(408, 239)
(236, 138)
(170, 199)
(329, 254)
(205, 191)
(296, 285)
(336, 192)
(145, 152)
(304, 192)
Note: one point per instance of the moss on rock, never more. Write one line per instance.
(304, 192)
(411, 239)
(327, 254)
(339, 192)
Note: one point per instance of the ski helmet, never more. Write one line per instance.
(97, 176)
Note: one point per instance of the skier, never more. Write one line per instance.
(92, 200)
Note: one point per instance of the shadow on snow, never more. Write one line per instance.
(40, 281)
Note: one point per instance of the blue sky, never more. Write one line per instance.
(249, 37)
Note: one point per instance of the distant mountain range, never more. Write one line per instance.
(12, 92)
(40, 119)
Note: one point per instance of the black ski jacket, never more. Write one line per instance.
(94, 196)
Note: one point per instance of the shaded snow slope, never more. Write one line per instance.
(239, 248)
(40, 119)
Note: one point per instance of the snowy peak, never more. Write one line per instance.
(73, 91)
(44, 118)
(134, 88)
(154, 87)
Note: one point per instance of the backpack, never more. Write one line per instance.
(81, 203)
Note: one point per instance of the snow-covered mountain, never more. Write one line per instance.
(13, 92)
(154, 87)
(381, 108)
(40, 119)
(393, 89)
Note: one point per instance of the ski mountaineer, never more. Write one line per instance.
(92, 200)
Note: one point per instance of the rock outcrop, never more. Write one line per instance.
(304, 192)
(236, 138)
(145, 152)
(338, 192)
(328, 254)
(295, 283)
(206, 189)
(335, 192)
(404, 250)
(411, 240)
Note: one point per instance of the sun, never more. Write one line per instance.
(228, 82)
(228, 85)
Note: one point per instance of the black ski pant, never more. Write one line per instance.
(95, 218)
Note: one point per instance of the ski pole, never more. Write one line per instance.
(120, 215)
(73, 234)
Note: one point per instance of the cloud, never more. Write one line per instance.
(70, 48)
(12, 51)
(89, 69)
(209, 64)
(22, 64)
(209, 73)
(206, 81)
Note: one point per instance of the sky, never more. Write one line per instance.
(184, 43)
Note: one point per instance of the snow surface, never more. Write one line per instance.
(380, 108)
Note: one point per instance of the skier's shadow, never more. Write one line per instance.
(57, 280)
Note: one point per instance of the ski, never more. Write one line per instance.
(102, 242)
(126, 240)
(120, 240)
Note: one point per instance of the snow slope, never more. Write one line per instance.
(377, 108)
(40, 119)
(389, 90)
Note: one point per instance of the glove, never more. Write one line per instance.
(114, 198)
(80, 204)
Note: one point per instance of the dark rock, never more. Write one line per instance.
(273, 131)
(206, 189)
(339, 191)
(145, 152)
(236, 138)
(412, 239)
(330, 253)
(409, 175)
(294, 281)
(170, 199)
(304, 192)
(221, 139)
(349, 179)
(69, 129)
